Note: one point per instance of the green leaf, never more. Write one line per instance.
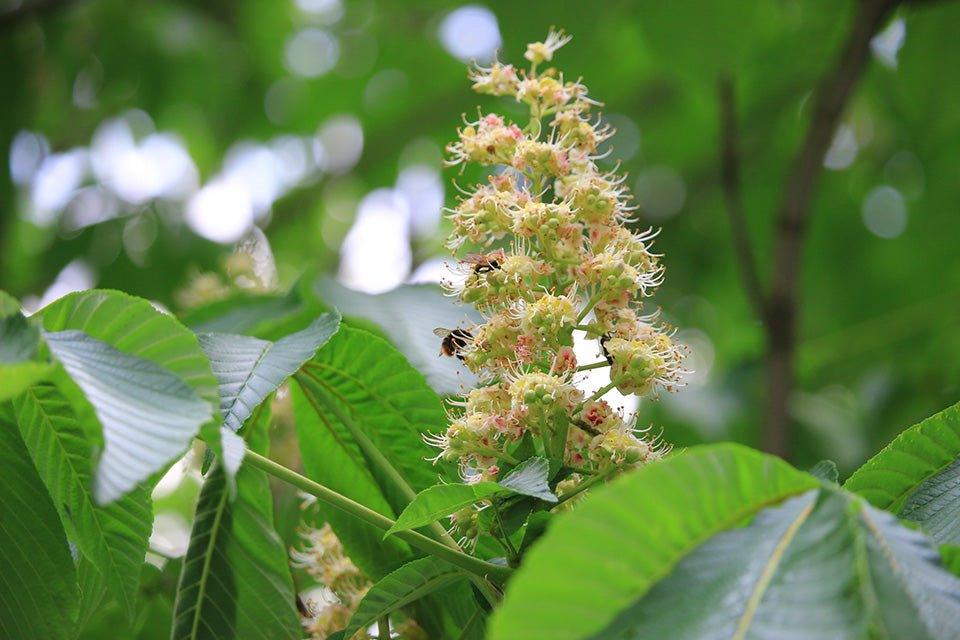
(235, 581)
(268, 317)
(364, 378)
(38, 582)
(400, 588)
(8, 304)
(614, 552)
(529, 478)
(249, 369)
(917, 476)
(441, 500)
(149, 415)
(133, 326)
(16, 378)
(408, 315)
(18, 339)
(329, 457)
(663, 553)
(113, 538)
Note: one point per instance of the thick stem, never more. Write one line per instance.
(792, 218)
(459, 559)
(383, 628)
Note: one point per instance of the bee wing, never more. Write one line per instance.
(441, 332)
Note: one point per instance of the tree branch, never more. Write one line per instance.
(829, 101)
(730, 181)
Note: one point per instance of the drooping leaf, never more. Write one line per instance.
(400, 588)
(408, 315)
(133, 326)
(149, 415)
(250, 369)
(38, 587)
(235, 581)
(441, 500)
(112, 538)
(667, 548)
(917, 476)
(364, 379)
(529, 478)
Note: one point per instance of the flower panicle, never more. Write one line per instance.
(546, 251)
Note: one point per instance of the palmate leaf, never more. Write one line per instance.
(149, 415)
(249, 369)
(400, 588)
(235, 581)
(408, 315)
(112, 538)
(38, 590)
(663, 553)
(917, 476)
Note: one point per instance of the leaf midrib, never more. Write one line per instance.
(205, 571)
(766, 576)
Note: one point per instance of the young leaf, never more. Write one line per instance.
(235, 581)
(826, 470)
(148, 414)
(441, 500)
(661, 553)
(529, 478)
(38, 582)
(400, 588)
(616, 555)
(113, 538)
(917, 476)
(407, 315)
(249, 369)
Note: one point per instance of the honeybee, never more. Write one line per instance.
(484, 263)
(454, 341)
(603, 345)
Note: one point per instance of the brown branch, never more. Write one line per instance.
(829, 102)
(730, 182)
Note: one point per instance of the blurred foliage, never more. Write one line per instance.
(879, 346)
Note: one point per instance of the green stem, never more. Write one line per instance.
(596, 396)
(594, 299)
(586, 484)
(383, 628)
(589, 328)
(466, 562)
(507, 543)
(370, 451)
(594, 365)
(503, 455)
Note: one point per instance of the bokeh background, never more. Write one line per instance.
(141, 141)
